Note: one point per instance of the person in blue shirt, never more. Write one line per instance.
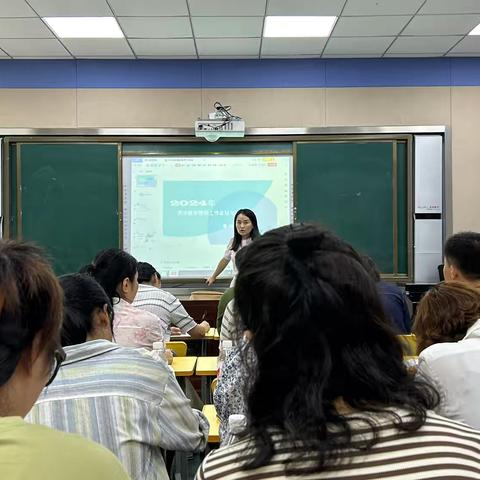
(393, 299)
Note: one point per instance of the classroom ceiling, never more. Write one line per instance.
(234, 29)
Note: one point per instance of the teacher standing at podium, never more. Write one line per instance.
(245, 229)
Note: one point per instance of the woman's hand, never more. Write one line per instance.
(210, 280)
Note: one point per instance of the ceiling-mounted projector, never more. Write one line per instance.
(220, 123)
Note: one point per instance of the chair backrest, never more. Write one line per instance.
(213, 385)
(205, 295)
(409, 344)
(180, 348)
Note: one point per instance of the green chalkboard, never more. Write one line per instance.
(358, 190)
(68, 199)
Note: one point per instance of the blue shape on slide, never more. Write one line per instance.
(218, 201)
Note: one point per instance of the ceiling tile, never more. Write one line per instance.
(305, 7)
(98, 47)
(18, 8)
(470, 55)
(381, 7)
(71, 8)
(451, 6)
(409, 45)
(469, 45)
(378, 55)
(168, 57)
(156, 27)
(293, 46)
(441, 24)
(231, 57)
(290, 56)
(146, 8)
(163, 47)
(23, 28)
(412, 55)
(357, 45)
(228, 46)
(225, 27)
(370, 26)
(43, 47)
(226, 8)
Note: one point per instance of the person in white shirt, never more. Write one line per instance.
(173, 316)
(245, 230)
(462, 258)
(447, 326)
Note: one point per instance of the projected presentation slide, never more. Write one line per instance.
(179, 211)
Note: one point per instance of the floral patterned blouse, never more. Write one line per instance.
(134, 327)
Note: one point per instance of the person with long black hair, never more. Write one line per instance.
(245, 229)
(122, 398)
(117, 272)
(328, 395)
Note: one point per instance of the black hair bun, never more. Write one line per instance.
(302, 243)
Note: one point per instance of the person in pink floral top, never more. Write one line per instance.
(116, 271)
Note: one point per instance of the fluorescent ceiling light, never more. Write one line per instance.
(476, 30)
(298, 26)
(84, 27)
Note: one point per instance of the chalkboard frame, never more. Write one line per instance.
(377, 138)
(283, 136)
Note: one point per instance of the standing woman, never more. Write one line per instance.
(30, 355)
(245, 230)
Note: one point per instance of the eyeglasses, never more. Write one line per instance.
(58, 356)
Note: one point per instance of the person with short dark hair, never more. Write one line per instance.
(447, 327)
(462, 258)
(122, 398)
(30, 357)
(329, 395)
(392, 297)
(147, 275)
(164, 305)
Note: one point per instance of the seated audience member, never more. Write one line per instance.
(328, 395)
(447, 326)
(167, 307)
(225, 299)
(393, 299)
(227, 331)
(30, 355)
(228, 323)
(462, 258)
(229, 396)
(119, 397)
(116, 271)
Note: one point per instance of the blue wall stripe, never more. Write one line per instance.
(466, 72)
(389, 72)
(139, 74)
(279, 73)
(37, 73)
(287, 73)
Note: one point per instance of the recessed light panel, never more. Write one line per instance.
(84, 27)
(297, 26)
(476, 30)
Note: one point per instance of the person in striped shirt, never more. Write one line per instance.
(328, 395)
(123, 398)
(173, 316)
